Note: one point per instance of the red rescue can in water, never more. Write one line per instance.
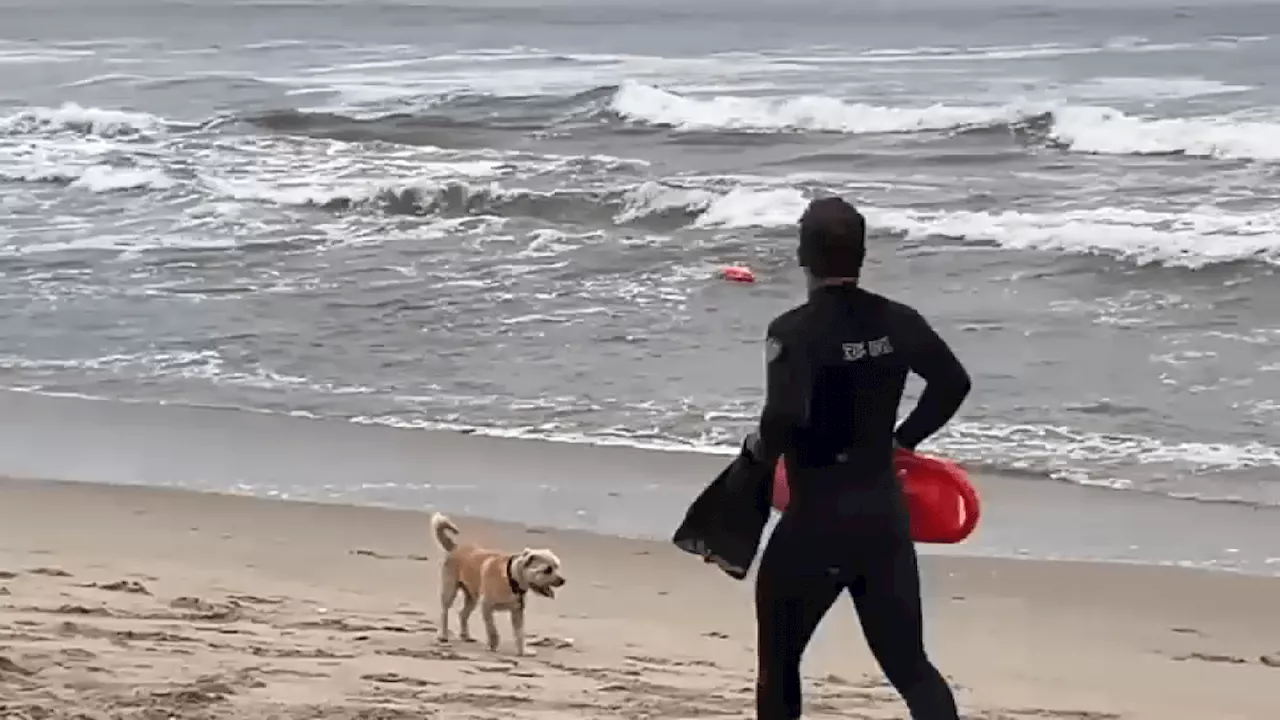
(738, 273)
(943, 504)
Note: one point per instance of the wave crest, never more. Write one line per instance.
(71, 117)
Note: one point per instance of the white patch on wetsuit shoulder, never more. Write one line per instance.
(772, 348)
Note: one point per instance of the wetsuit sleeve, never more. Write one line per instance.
(784, 397)
(947, 383)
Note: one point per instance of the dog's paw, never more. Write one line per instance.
(466, 638)
(442, 639)
(527, 652)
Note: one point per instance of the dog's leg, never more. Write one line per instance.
(517, 629)
(490, 627)
(464, 616)
(449, 587)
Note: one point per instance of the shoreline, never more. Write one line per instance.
(205, 605)
(927, 552)
(601, 441)
(611, 490)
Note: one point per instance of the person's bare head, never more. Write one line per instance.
(833, 242)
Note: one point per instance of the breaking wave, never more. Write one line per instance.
(1189, 239)
(1075, 128)
(115, 150)
(1171, 239)
(462, 121)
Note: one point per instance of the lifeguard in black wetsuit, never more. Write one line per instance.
(837, 366)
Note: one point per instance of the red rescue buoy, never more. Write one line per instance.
(944, 505)
(738, 273)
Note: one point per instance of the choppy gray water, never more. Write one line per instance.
(510, 215)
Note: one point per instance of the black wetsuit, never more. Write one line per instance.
(837, 366)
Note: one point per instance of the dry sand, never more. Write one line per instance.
(131, 602)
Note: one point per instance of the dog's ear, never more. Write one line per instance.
(524, 558)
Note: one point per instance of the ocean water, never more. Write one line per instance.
(509, 216)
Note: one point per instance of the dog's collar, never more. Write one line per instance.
(511, 577)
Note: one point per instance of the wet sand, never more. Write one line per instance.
(621, 491)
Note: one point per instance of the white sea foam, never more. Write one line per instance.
(1107, 131)
(71, 117)
(1079, 128)
(291, 171)
(1195, 238)
(1188, 239)
(1128, 88)
(656, 106)
(94, 178)
(741, 207)
(1057, 451)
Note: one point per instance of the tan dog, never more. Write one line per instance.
(493, 581)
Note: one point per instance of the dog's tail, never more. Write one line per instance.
(444, 530)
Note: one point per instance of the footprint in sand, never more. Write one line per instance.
(550, 642)
(201, 692)
(372, 553)
(8, 666)
(78, 610)
(427, 654)
(506, 668)
(391, 677)
(1213, 658)
(256, 600)
(77, 654)
(198, 609)
(298, 653)
(363, 552)
(132, 587)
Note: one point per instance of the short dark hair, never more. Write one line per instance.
(833, 238)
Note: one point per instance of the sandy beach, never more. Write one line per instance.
(151, 603)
